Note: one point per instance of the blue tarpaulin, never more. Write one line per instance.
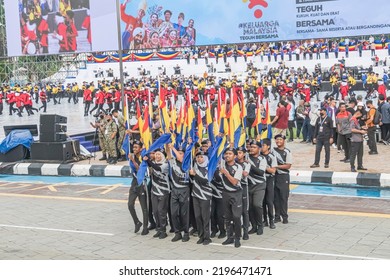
(16, 138)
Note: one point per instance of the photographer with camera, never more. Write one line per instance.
(100, 126)
(357, 133)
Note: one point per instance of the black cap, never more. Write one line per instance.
(234, 151)
(267, 142)
(256, 143)
(241, 149)
(201, 153)
(280, 136)
(204, 142)
(161, 150)
(137, 142)
(180, 149)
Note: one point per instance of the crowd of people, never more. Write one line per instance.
(155, 33)
(35, 31)
(248, 188)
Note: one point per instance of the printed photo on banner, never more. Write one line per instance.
(54, 26)
(149, 25)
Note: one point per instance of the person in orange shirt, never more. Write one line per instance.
(371, 127)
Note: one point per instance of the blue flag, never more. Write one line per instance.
(188, 157)
(158, 144)
(215, 156)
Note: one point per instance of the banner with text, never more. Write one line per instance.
(168, 23)
(37, 27)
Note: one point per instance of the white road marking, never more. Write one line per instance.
(58, 230)
(303, 252)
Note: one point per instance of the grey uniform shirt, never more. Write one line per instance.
(282, 157)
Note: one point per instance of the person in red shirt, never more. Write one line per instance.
(1, 102)
(19, 103)
(71, 31)
(61, 33)
(131, 22)
(117, 100)
(43, 98)
(344, 89)
(109, 99)
(96, 102)
(43, 31)
(87, 25)
(11, 102)
(280, 122)
(87, 96)
(382, 88)
(260, 93)
(28, 104)
(100, 102)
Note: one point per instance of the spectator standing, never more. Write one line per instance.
(322, 137)
(371, 127)
(384, 108)
(344, 130)
(280, 122)
(357, 141)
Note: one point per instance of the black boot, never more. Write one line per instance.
(137, 227)
(177, 237)
(259, 230)
(253, 230)
(103, 158)
(272, 224)
(245, 236)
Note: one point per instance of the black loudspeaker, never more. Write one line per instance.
(32, 128)
(16, 154)
(51, 129)
(51, 137)
(54, 151)
(51, 119)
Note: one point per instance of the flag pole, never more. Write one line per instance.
(120, 55)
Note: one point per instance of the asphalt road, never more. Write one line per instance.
(87, 219)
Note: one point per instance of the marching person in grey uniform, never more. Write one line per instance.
(246, 167)
(180, 194)
(232, 196)
(217, 209)
(268, 204)
(137, 191)
(202, 195)
(256, 187)
(282, 178)
(160, 191)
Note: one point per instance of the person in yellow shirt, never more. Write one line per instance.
(274, 84)
(55, 94)
(64, 7)
(371, 127)
(314, 88)
(370, 82)
(334, 81)
(352, 84)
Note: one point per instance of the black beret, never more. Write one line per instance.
(161, 150)
(241, 149)
(234, 151)
(137, 142)
(256, 143)
(267, 142)
(280, 136)
(201, 153)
